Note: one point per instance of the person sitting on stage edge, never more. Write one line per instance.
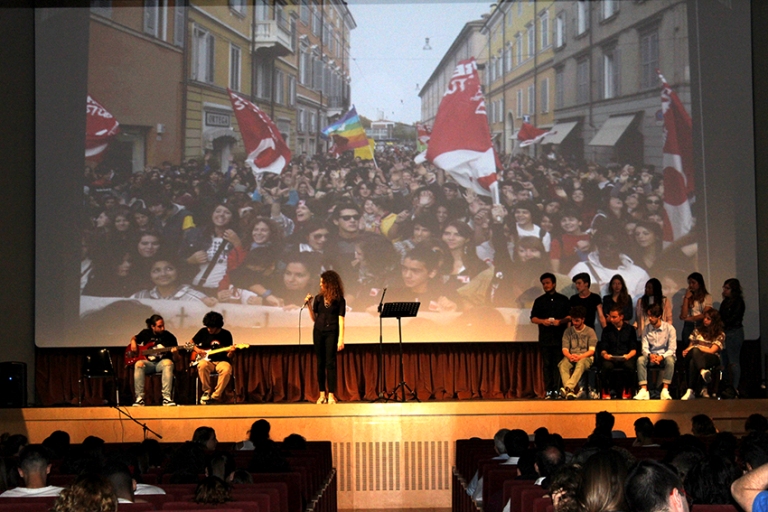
(161, 363)
(34, 466)
(579, 341)
(211, 337)
(550, 313)
(617, 349)
(703, 353)
(659, 344)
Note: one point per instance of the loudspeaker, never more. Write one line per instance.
(13, 384)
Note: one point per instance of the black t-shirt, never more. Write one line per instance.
(164, 339)
(327, 318)
(617, 342)
(590, 304)
(206, 341)
(551, 305)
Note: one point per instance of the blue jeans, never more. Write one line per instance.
(731, 356)
(668, 365)
(143, 368)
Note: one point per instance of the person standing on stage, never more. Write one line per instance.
(161, 363)
(327, 311)
(550, 313)
(212, 337)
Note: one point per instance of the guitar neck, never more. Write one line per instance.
(225, 349)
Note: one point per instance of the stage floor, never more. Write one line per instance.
(388, 455)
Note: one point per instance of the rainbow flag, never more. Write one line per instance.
(347, 133)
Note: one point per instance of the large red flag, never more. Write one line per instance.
(267, 151)
(677, 161)
(529, 134)
(100, 128)
(460, 142)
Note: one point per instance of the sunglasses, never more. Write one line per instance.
(652, 201)
(349, 217)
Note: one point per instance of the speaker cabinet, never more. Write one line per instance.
(13, 384)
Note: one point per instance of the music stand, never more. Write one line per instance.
(401, 310)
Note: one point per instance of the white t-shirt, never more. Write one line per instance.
(25, 492)
(147, 489)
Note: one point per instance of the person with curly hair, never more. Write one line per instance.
(327, 312)
(89, 493)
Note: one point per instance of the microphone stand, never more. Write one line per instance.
(143, 426)
(381, 381)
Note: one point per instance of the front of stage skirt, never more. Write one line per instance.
(285, 374)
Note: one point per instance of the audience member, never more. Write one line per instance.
(34, 467)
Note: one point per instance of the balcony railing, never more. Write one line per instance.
(274, 33)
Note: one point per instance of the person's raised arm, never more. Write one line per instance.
(340, 345)
(745, 489)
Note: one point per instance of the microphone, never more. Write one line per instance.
(307, 301)
(381, 302)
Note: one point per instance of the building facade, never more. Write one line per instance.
(136, 62)
(469, 43)
(520, 77)
(607, 90)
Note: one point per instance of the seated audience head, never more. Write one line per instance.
(259, 431)
(119, 476)
(756, 423)
(34, 466)
(205, 437)
(724, 445)
(498, 441)
(526, 466)
(644, 429)
(709, 481)
(563, 488)
(653, 487)
(516, 442)
(548, 460)
(754, 450)
(702, 425)
(221, 464)
(666, 429)
(541, 437)
(294, 442)
(13, 444)
(212, 491)
(57, 443)
(241, 476)
(604, 421)
(602, 485)
(89, 493)
(683, 460)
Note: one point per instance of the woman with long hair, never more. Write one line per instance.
(703, 352)
(732, 312)
(653, 295)
(207, 250)
(696, 302)
(459, 238)
(602, 483)
(648, 244)
(327, 312)
(619, 296)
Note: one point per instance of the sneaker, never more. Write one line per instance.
(139, 402)
(323, 399)
(706, 375)
(626, 395)
(689, 395)
(594, 395)
(206, 396)
(563, 393)
(331, 399)
(605, 395)
(549, 395)
(582, 395)
(704, 393)
(665, 394)
(212, 401)
(570, 395)
(168, 403)
(643, 394)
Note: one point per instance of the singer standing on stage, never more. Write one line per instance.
(327, 311)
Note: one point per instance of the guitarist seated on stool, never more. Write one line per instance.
(213, 337)
(154, 336)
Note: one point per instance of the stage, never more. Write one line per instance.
(387, 455)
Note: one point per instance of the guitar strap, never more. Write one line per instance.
(212, 264)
